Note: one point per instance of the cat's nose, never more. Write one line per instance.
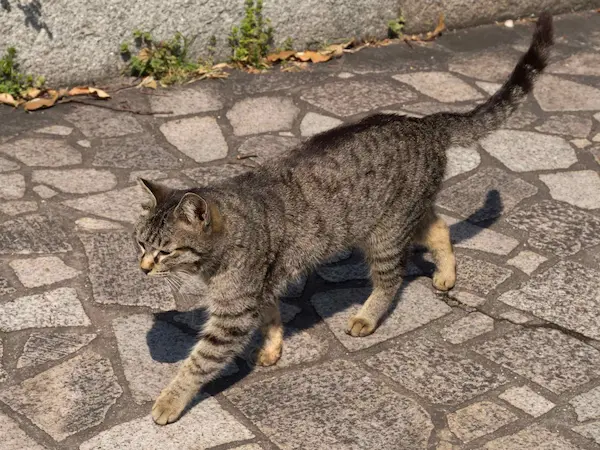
(145, 270)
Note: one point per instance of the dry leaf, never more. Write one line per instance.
(148, 82)
(223, 66)
(8, 99)
(31, 93)
(294, 66)
(79, 90)
(281, 56)
(145, 54)
(338, 49)
(315, 57)
(38, 103)
(99, 93)
(441, 26)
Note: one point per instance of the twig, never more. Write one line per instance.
(106, 106)
(246, 156)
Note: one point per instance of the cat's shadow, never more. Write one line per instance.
(171, 350)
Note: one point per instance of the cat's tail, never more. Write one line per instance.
(490, 115)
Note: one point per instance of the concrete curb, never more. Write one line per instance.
(72, 44)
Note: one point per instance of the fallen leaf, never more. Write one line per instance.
(222, 66)
(99, 93)
(148, 82)
(281, 56)
(145, 54)
(8, 99)
(338, 49)
(32, 93)
(441, 26)
(294, 66)
(79, 90)
(315, 57)
(38, 103)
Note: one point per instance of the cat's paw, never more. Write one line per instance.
(268, 356)
(360, 326)
(444, 281)
(168, 407)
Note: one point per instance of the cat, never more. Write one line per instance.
(370, 184)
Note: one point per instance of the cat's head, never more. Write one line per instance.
(178, 232)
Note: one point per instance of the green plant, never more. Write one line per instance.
(251, 40)
(288, 44)
(396, 27)
(167, 61)
(12, 81)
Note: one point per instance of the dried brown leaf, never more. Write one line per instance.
(281, 56)
(145, 54)
(315, 57)
(294, 66)
(79, 90)
(148, 82)
(8, 99)
(31, 93)
(99, 93)
(39, 103)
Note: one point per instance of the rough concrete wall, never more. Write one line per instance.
(72, 42)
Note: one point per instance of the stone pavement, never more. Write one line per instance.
(510, 359)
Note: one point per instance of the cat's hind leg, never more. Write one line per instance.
(434, 234)
(272, 331)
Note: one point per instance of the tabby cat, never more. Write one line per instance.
(370, 184)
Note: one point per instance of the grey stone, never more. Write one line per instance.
(346, 98)
(479, 276)
(122, 205)
(467, 298)
(489, 88)
(567, 124)
(42, 271)
(520, 119)
(467, 235)
(317, 408)
(67, 398)
(267, 146)
(487, 66)
(200, 138)
(461, 160)
(525, 151)
(5, 287)
(578, 64)
(206, 176)
(248, 447)
(574, 305)
(58, 308)
(314, 123)
(417, 365)
(185, 101)
(467, 328)
(345, 75)
(102, 123)
(479, 419)
(557, 228)
(42, 152)
(587, 405)
(84, 143)
(534, 437)
(76, 181)
(345, 272)
(595, 151)
(147, 174)
(416, 306)
(547, 357)
(589, 430)
(134, 152)
(262, 114)
(115, 275)
(204, 426)
(14, 438)
(92, 224)
(44, 191)
(150, 352)
(16, 208)
(486, 194)
(12, 186)
(579, 188)
(34, 233)
(525, 399)
(44, 347)
(527, 261)
(58, 130)
(3, 374)
(581, 143)
(515, 317)
(557, 94)
(441, 86)
(8, 166)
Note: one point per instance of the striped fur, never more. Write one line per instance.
(371, 184)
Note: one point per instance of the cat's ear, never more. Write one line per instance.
(158, 192)
(193, 209)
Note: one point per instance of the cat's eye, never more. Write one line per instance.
(163, 253)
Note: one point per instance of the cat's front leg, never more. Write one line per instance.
(233, 318)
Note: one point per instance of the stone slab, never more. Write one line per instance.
(14, 438)
(67, 398)
(42, 152)
(487, 65)
(186, 101)
(468, 327)
(526, 400)
(587, 405)
(479, 276)
(534, 437)
(12, 186)
(44, 347)
(16, 208)
(567, 124)
(466, 235)
(479, 419)
(93, 224)
(42, 271)
(58, 130)
(579, 188)
(102, 123)
(566, 294)
(416, 306)
(199, 138)
(115, 274)
(557, 94)
(324, 407)
(140, 152)
(441, 86)
(314, 123)
(547, 357)
(556, 228)
(58, 308)
(267, 146)
(417, 365)
(8, 166)
(527, 261)
(584, 63)
(461, 160)
(206, 425)
(262, 114)
(589, 430)
(121, 205)
(76, 181)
